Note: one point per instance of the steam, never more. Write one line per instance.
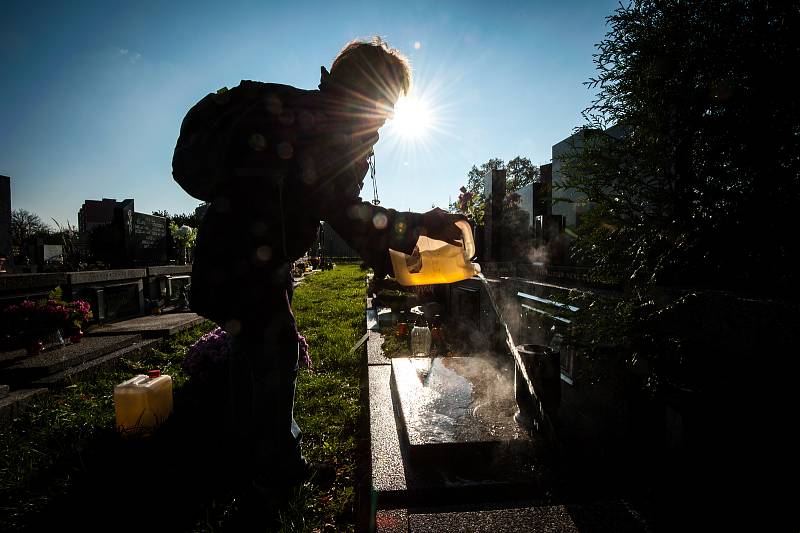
(539, 254)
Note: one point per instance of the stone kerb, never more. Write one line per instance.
(25, 285)
(166, 282)
(105, 276)
(169, 270)
(114, 294)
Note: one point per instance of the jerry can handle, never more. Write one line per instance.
(466, 239)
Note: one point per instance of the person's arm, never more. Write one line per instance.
(372, 230)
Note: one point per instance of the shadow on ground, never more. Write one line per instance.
(181, 479)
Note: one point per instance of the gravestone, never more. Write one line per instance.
(135, 239)
(146, 238)
(5, 220)
(494, 190)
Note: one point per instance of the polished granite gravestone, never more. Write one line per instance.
(457, 414)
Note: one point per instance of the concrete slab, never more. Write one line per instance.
(150, 326)
(29, 368)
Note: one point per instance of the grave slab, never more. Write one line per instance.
(150, 326)
(92, 366)
(447, 400)
(456, 424)
(27, 368)
(534, 519)
(400, 481)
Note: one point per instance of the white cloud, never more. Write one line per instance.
(133, 57)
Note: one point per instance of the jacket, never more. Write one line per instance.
(273, 161)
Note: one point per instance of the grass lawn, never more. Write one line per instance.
(63, 466)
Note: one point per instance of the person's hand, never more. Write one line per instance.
(441, 225)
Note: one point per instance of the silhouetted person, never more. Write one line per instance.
(273, 161)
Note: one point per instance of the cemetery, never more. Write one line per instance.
(478, 405)
(601, 342)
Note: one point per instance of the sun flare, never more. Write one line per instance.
(412, 117)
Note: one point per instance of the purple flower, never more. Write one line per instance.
(206, 359)
(305, 355)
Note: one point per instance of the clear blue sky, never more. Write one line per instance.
(92, 94)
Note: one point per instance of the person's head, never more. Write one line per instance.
(371, 76)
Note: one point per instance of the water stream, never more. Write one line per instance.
(509, 340)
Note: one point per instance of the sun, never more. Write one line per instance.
(412, 117)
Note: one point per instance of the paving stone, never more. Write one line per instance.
(150, 326)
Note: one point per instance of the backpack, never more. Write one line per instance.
(199, 163)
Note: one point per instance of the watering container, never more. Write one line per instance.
(142, 403)
(420, 341)
(435, 261)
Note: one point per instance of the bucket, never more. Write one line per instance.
(543, 366)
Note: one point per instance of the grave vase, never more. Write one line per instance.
(34, 347)
(76, 335)
(54, 339)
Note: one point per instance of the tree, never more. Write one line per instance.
(700, 189)
(519, 173)
(184, 219)
(696, 193)
(25, 225)
(68, 235)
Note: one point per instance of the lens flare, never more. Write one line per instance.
(412, 117)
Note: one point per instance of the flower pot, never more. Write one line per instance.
(34, 347)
